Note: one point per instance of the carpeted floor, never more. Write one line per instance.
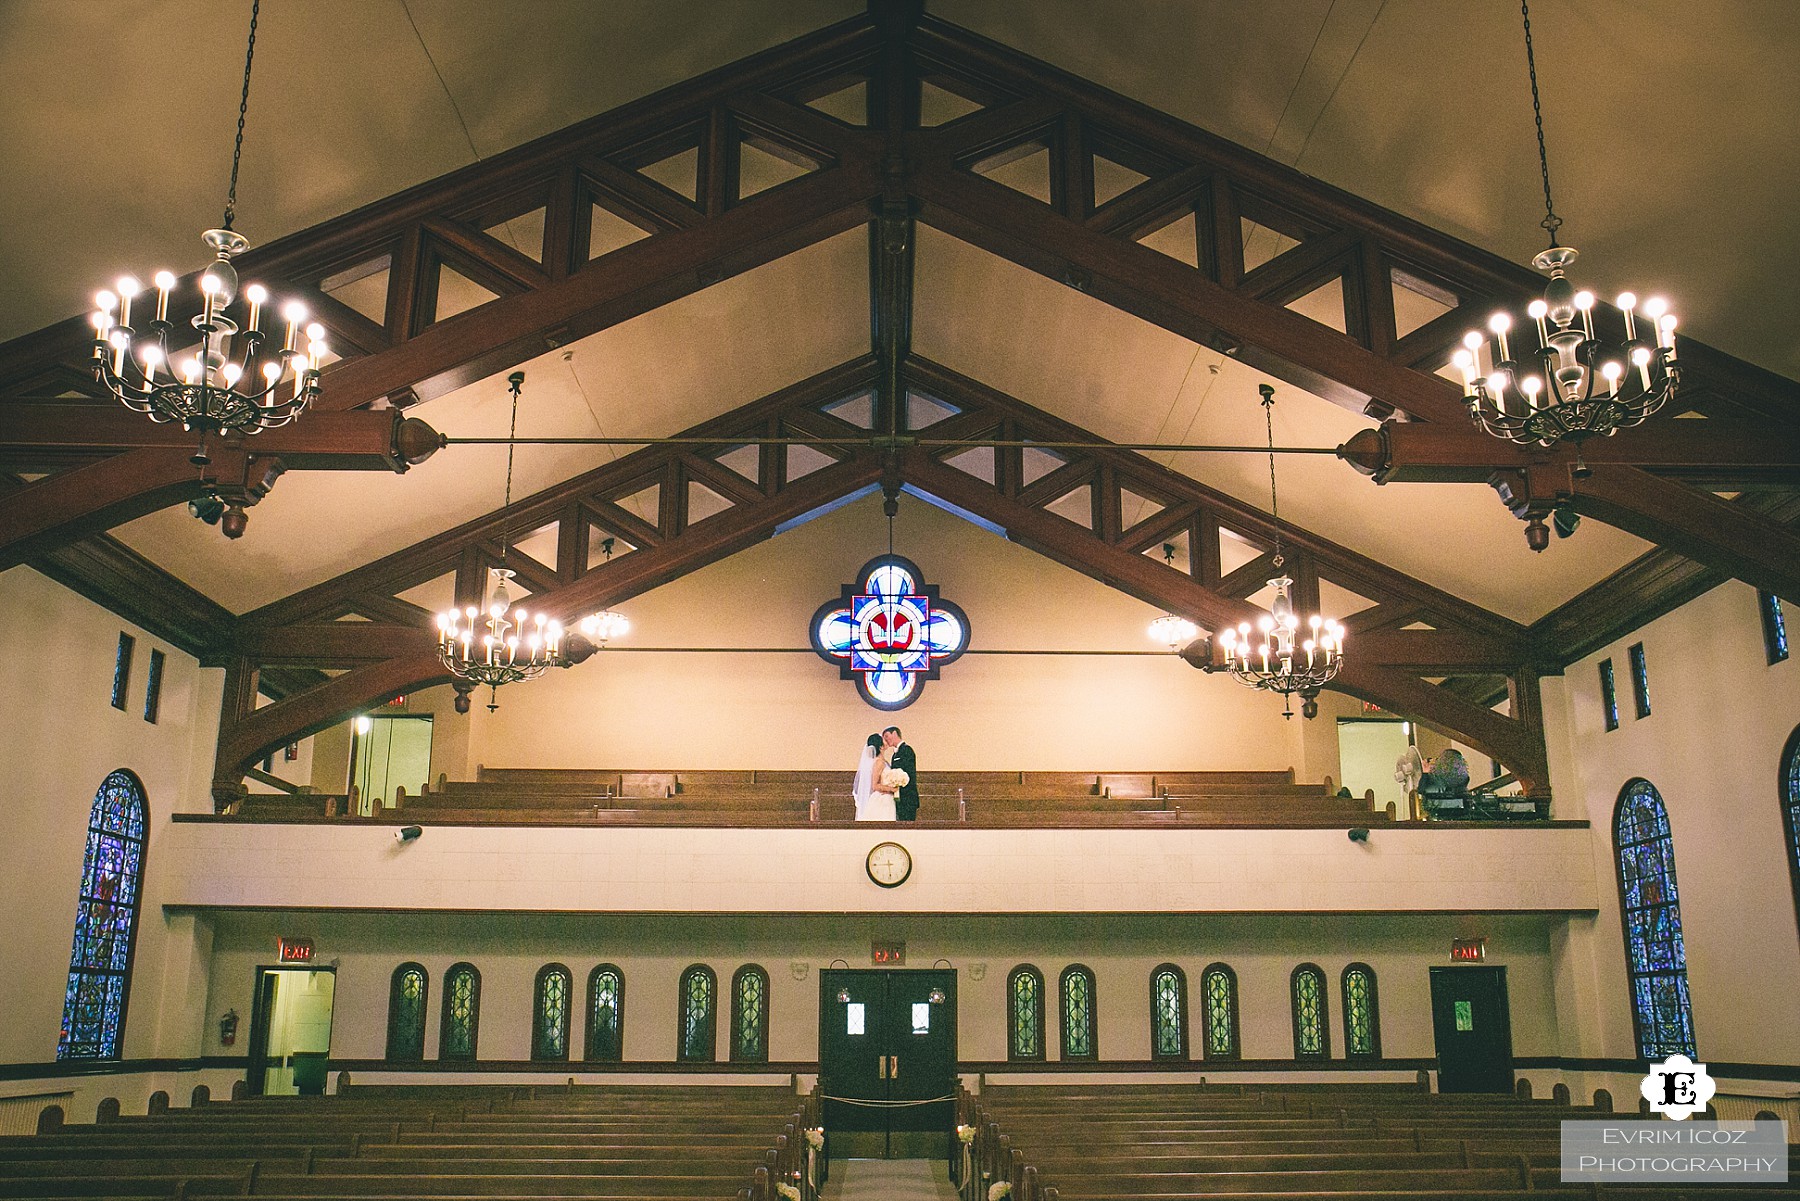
(889, 1180)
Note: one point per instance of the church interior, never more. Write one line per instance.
(1298, 601)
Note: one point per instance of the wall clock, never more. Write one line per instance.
(889, 864)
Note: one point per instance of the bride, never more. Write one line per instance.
(873, 803)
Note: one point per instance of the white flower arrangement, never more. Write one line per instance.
(1000, 1190)
(894, 778)
(789, 1191)
(965, 1134)
(815, 1138)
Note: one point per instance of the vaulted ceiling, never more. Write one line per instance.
(1422, 108)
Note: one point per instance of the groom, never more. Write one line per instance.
(906, 803)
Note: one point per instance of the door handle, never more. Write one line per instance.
(893, 1067)
(881, 1062)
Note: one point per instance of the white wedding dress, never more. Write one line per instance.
(871, 806)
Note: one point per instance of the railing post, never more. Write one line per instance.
(962, 806)
(814, 812)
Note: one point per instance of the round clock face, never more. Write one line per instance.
(889, 864)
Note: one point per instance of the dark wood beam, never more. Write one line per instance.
(90, 499)
(114, 576)
(442, 553)
(1697, 525)
(1343, 566)
(1643, 590)
(1723, 453)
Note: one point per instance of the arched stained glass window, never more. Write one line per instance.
(550, 1012)
(606, 1014)
(1362, 1013)
(698, 1018)
(1650, 905)
(406, 1012)
(106, 920)
(1078, 1020)
(750, 1015)
(462, 1012)
(1790, 809)
(1218, 994)
(1168, 1012)
(1312, 1036)
(1025, 1013)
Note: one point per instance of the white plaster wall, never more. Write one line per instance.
(59, 737)
(652, 950)
(1711, 746)
(823, 870)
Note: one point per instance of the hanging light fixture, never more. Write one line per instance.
(518, 644)
(1172, 631)
(234, 379)
(602, 627)
(1275, 656)
(1579, 381)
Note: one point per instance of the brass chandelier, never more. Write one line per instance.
(237, 377)
(1581, 379)
(517, 645)
(1276, 655)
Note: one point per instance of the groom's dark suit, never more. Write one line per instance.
(906, 803)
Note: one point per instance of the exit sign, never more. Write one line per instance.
(887, 954)
(1468, 950)
(295, 950)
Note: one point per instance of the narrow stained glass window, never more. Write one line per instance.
(1790, 809)
(1609, 695)
(1218, 989)
(550, 1013)
(1078, 1019)
(462, 1013)
(106, 919)
(1362, 1013)
(406, 1012)
(153, 688)
(1650, 903)
(122, 670)
(1168, 1012)
(1640, 679)
(750, 1015)
(606, 1014)
(1312, 1037)
(1025, 1013)
(698, 1017)
(1775, 642)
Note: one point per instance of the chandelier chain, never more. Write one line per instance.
(1551, 222)
(517, 381)
(237, 149)
(1268, 404)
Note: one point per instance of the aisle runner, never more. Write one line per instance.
(889, 1180)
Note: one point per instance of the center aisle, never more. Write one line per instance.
(889, 1180)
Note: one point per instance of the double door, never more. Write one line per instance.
(887, 1061)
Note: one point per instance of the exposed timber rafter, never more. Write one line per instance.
(551, 294)
(1410, 630)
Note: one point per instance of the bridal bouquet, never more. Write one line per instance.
(894, 778)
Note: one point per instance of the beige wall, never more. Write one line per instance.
(755, 695)
(1711, 746)
(61, 738)
(653, 950)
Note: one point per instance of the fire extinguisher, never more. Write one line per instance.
(228, 1028)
